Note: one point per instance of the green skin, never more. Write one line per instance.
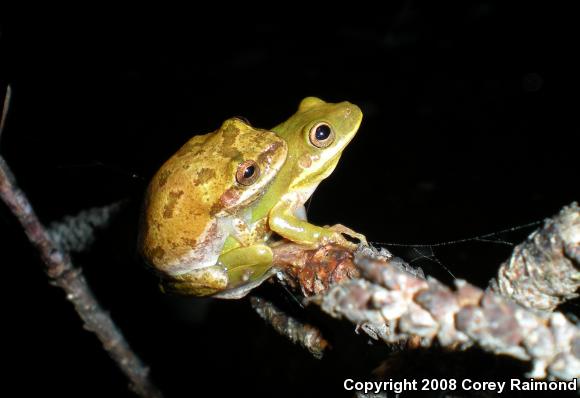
(279, 209)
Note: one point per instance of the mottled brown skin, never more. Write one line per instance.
(193, 198)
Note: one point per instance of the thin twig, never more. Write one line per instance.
(75, 234)
(5, 108)
(305, 335)
(60, 268)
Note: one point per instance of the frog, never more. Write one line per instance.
(316, 135)
(224, 247)
(193, 233)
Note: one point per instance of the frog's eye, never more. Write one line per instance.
(321, 135)
(243, 119)
(248, 172)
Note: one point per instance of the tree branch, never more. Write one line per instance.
(388, 300)
(543, 272)
(60, 268)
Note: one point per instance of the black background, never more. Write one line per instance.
(470, 118)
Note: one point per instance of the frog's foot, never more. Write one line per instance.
(198, 282)
(344, 230)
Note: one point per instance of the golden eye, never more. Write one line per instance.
(321, 135)
(247, 173)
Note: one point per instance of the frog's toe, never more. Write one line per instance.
(344, 230)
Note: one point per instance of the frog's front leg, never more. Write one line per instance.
(283, 221)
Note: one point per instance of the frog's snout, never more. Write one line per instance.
(351, 111)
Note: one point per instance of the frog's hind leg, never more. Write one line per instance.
(246, 265)
(237, 272)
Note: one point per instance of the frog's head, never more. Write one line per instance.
(251, 158)
(316, 136)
